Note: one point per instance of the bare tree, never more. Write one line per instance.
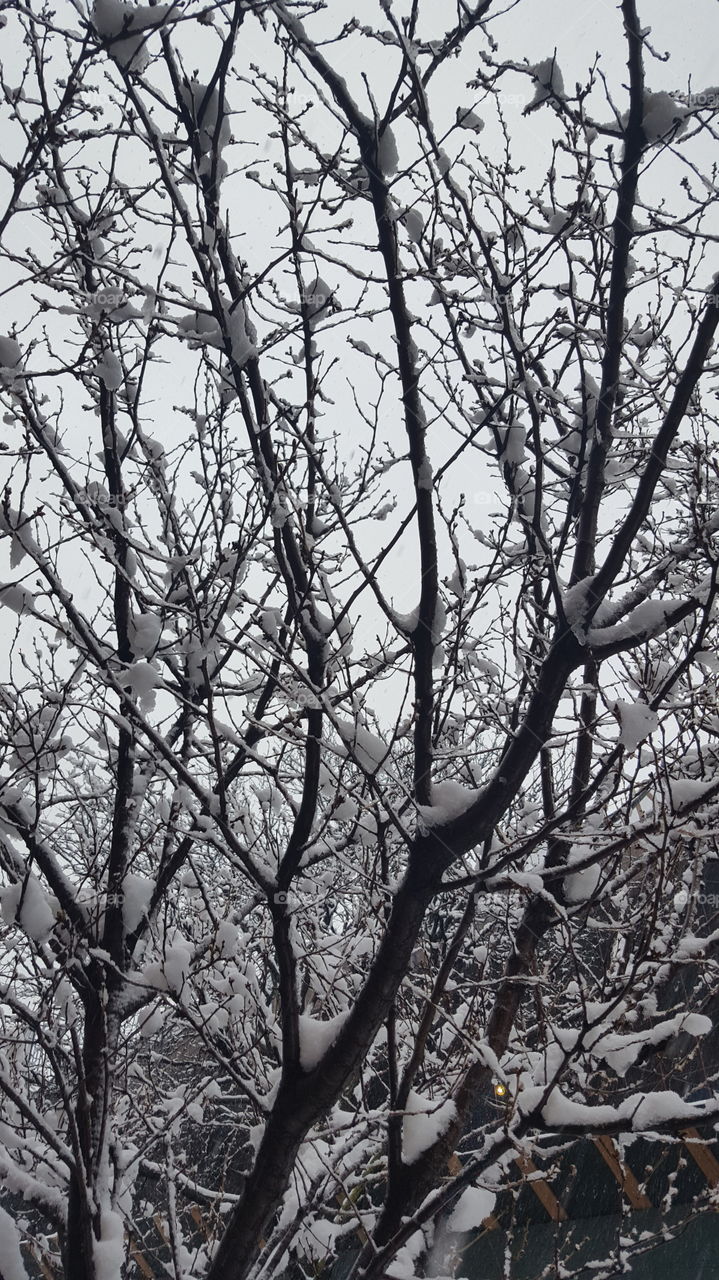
(359, 519)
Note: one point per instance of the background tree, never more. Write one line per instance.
(359, 520)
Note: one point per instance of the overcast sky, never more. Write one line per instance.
(529, 30)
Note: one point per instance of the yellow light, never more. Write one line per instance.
(500, 1090)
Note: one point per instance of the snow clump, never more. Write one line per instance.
(135, 23)
(211, 134)
(661, 115)
(424, 1122)
(548, 81)
(637, 721)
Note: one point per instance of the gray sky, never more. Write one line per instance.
(530, 30)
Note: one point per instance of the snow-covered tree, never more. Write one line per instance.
(359, 522)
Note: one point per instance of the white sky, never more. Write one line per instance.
(530, 30)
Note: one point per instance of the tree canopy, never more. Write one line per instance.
(358, 746)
